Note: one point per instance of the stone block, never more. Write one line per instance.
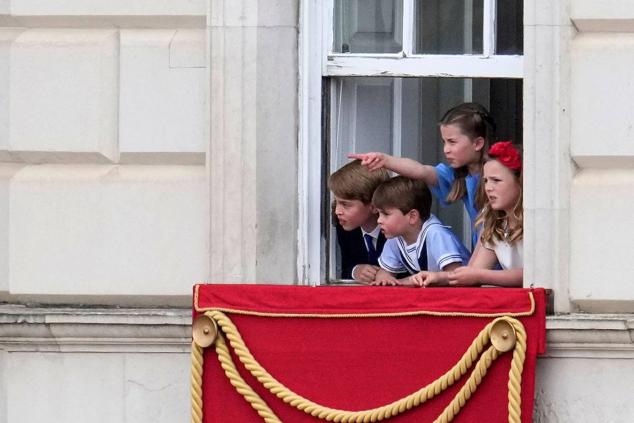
(583, 390)
(108, 230)
(98, 387)
(546, 117)
(277, 129)
(161, 397)
(108, 8)
(3, 386)
(601, 236)
(233, 153)
(65, 387)
(7, 35)
(547, 252)
(163, 94)
(188, 49)
(279, 13)
(234, 13)
(547, 13)
(602, 93)
(64, 89)
(6, 173)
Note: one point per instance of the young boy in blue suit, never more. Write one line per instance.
(416, 240)
(358, 234)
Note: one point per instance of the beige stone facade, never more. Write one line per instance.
(146, 146)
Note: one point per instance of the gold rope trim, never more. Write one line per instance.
(196, 383)
(256, 401)
(530, 311)
(380, 413)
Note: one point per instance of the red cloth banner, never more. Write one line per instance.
(357, 348)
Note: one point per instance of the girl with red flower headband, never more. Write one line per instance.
(501, 226)
(502, 223)
(466, 131)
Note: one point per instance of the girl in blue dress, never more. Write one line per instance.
(467, 130)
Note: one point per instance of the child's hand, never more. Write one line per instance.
(465, 276)
(388, 281)
(426, 279)
(365, 273)
(372, 160)
(419, 279)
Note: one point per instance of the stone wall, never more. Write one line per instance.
(103, 138)
(147, 146)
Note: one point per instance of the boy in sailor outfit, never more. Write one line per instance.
(416, 240)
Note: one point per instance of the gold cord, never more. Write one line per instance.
(196, 383)
(473, 353)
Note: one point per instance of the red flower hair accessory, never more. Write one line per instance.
(506, 153)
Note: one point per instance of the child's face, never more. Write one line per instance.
(459, 149)
(354, 213)
(394, 222)
(501, 186)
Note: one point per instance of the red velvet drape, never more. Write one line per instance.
(356, 363)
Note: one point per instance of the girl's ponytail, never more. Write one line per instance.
(459, 186)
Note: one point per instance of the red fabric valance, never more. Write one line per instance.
(356, 348)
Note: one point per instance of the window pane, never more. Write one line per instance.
(510, 29)
(362, 111)
(368, 26)
(448, 26)
(400, 116)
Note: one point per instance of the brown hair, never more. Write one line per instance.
(493, 222)
(474, 121)
(404, 194)
(355, 182)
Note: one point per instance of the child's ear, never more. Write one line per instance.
(373, 209)
(479, 143)
(414, 216)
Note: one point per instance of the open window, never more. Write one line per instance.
(389, 71)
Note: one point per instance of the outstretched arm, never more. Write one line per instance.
(473, 276)
(401, 165)
(480, 271)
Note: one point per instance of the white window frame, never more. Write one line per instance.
(317, 61)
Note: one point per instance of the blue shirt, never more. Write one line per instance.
(441, 245)
(446, 176)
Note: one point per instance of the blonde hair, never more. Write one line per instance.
(494, 222)
(355, 182)
(474, 121)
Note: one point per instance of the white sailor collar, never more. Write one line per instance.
(418, 245)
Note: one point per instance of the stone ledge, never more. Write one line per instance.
(590, 336)
(194, 20)
(602, 16)
(113, 7)
(94, 329)
(69, 329)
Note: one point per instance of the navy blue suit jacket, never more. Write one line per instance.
(353, 249)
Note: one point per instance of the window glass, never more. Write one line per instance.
(510, 29)
(367, 109)
(368, 26)
(448, 26)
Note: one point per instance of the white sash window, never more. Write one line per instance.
(377, 75)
